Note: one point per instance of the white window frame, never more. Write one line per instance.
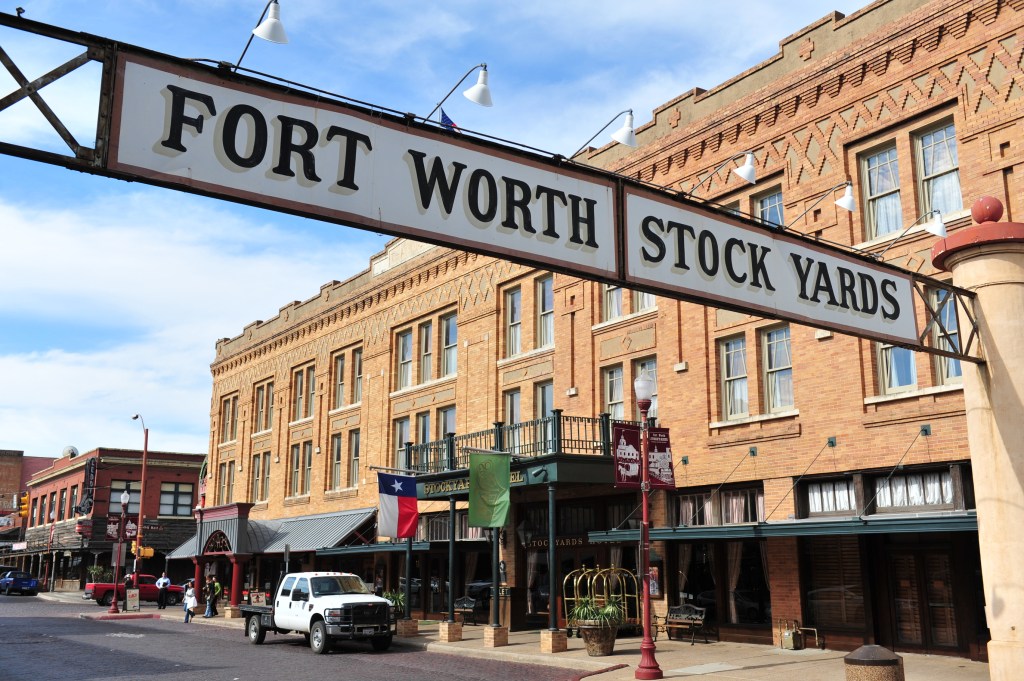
(176, 492)
(423, 433)
(513, 322)
(134, 488)
(770, 209)
(611, 302)
(446, 421)
(336, 456)
(937, 137)
(871, 163)
(295, 470)
(403, 359)
(264, 406)
(643, 301)
(426, 351)
(948, 371)
(450, 342)
(226, 483)
(774, 372)
(730, 348)
(650, 365)
(545, 303)
(353, 457)
(400, 429)
(304, 385)
(357, 376)
(229, 419)
(887, 355)
(613, 393)
(339, 380)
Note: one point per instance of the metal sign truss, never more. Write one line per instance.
(950, 328)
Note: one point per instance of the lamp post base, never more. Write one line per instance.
(648, 668)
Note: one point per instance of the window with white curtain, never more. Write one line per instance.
(733, 358)
(831, 496)
(914, 489)
(545, 305)
(642, 300)
(896, 370)
(695, 509)
(403, 350)
(613, 403)
(939, 169)
(778, 369)
(884, 212)
(611, 304)
(450, 345)
(513, 322)
(426, 351)
(742, 506)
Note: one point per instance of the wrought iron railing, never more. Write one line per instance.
(555, 434)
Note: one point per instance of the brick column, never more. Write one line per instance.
(988, 259)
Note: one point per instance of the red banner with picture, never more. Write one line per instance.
(626, 439)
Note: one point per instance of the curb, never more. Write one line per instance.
(120, 616)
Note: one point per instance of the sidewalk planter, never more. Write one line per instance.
(598, 623)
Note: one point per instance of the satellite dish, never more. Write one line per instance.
(70, 451)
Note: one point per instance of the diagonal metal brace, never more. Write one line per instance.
(31, 90)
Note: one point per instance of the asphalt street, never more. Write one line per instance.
(42, 640)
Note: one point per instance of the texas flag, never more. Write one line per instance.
(399, 513)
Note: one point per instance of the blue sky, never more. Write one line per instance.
(113, 294)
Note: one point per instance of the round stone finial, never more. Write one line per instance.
(987, 209)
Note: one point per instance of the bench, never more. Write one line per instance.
(682, 618)
(466, 606)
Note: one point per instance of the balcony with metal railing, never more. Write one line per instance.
(554, 434)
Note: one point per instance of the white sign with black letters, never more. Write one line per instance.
(221, 137)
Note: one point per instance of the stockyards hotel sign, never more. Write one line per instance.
(206, 130)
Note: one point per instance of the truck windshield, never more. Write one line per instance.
(326, 586)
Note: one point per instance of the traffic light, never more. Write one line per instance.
(147, 552)
(23, 505)
(135, 548)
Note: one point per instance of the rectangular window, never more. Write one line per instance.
(733, 357)
(778, 369)
(53, 507)
(256, 478)
(307, 465)
(835, 592)
(63, 505)
(226, 483)
(353, 458)
(335, 461)
(176, 499)
(611, 303)
(357, 375)
(42, 510)
(32, 518)
(642, 300)
(116, 488)
(339, 380)
(896, 370)
(264, 406)
(914, 490)
(742, 506)
(543, 403)
(513, 322)
(831, 496)
(648, 366)
(450, 342)
(229, 419)
(403, 352)
(426, 351)
(295, 471)
(265, 492)
(304, 384)
(948, 369)
(423, 427)
(401, 437)
(939, 170)
(695, 509)
(613, 401)
(545, 312)
(513, 415)
(884, 211)
(73, 508)
(769, 208)
(446, 420)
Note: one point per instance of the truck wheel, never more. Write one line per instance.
(318, 641)
(255, 631)
(107, 599)
(381, 643)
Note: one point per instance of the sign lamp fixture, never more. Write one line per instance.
(478, 94)
(624, 135)
(271, 29)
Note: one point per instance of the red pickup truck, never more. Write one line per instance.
(103, 592)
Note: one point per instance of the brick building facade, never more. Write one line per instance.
(820, 477)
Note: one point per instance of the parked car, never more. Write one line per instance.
(16, 580)
(103, 592)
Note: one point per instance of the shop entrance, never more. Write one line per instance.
(924, 608)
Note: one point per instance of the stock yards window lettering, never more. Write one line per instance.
(678, 248)
(191, 128)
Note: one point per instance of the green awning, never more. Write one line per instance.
(879, 523)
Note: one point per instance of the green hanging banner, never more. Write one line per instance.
(489, 480)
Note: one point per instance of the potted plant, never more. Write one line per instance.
(397, 599)
(598, 622)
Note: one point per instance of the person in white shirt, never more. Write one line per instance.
(162, 584)
(190, 601)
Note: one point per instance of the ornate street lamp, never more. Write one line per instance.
(643, 388)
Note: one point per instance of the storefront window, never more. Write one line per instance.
(696, 578)
(835, 595)
(748, 600)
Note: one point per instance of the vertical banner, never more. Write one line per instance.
(627, 439)
(627, 454)
(659, 459)
(489, 481)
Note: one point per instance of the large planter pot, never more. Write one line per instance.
(600, 640)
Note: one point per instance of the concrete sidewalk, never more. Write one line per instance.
(677, 659)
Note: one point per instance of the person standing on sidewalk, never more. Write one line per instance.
(213, 590)
(161, 597)
(190, 602)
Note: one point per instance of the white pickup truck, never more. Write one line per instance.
(324, 606)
